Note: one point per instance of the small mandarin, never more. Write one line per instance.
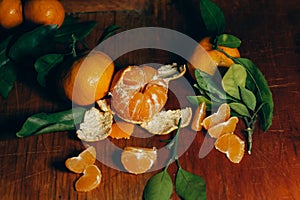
(199, 115)
(11, 13)
(222, 114)
(223, 127)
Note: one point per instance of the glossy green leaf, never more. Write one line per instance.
(109, 31)
(77, 30)
(234, 77)
(257, 81)
(228, 40)
(44, 64)
(207, 83)
(213, 17)
(196, 100)
(8, 76)
(32, 44)
(248, 98)
(190, 186)
(159, 186)
(240, 109)
(3, 51)
(42, 123)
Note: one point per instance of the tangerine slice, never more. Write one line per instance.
(224, 127)
(222, 114)
(121, 130)
(79, 163)
(232, 146)
(138, 94)
(165, 122)
(138, 160)
(90, 179)
(198, 117)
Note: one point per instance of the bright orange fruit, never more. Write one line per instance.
(90, 179)
(122, 129)
(223, 127)
(199, 115)
(232, 146)
(222, 114)
(89, 78)
(11, 13)
(138, 94)
(138, 160)
(84, 159)
(44, 12)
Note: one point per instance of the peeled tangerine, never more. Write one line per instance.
(222, 114)
(138, 160)
(79, 163)
(90, 179)
(232, 146)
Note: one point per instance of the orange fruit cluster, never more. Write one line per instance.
(208, 59)
(138, 94)
(36, 11)
(84, 163)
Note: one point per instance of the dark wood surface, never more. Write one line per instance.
(33, 167)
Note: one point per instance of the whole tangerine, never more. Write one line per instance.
(10, 13)
(44, 12)
(88, 79)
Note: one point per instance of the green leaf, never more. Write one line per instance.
(77, 30)
(159, 186)
(240, 109)
(207, 83)
(109, 31)
(3, 51)
(44, 64)
(45, 123)
(248, 98)
(8, 76)
(234, 77)
(32, 44)
(213, 17)
(256, 80)
(190, 186)
(228, 41)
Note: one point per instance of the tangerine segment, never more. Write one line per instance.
(199, 115)
(222, 114)
(224, 127)
(122, 129)
(84, 159)
(90, 179)
(138, 160)
(232, 146)
(138, 94)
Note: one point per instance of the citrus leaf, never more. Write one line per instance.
(159, 186)
(45, 123)
(3, 50)
(228, 40)
(196, 100)
(213, 17)
(233, 78)
(240, 109)
(32, 44)
(77, 30)
(256, 80)
(248, 98)
(8, 76)
(190, 186)
(109, 31)
(44, 64)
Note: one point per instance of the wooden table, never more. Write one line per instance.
(33, 167)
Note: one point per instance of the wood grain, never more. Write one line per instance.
(33, 167)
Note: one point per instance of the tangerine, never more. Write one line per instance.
(232, 146)
(199, 115)
(223, 127)
(138, 160)
(121, 129)
(85, 158)
(138, 94)
(222, 114)
(44, 12)
(209, 61)
(90, 179)
(88, 79)
(11, 13)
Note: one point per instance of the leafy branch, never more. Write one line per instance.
(187, 185)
